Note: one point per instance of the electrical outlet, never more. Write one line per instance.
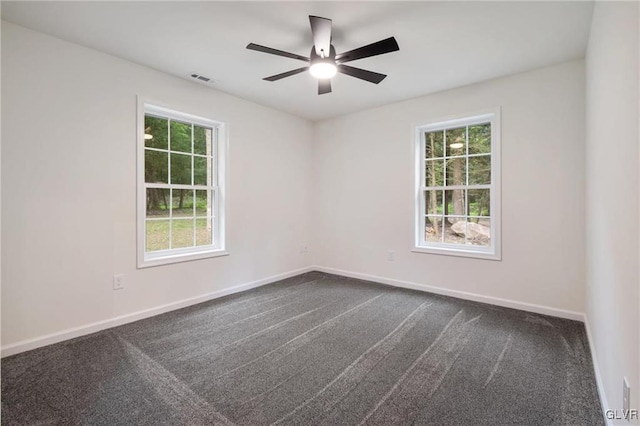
(118, 282)
(626, 395)
(391, 256)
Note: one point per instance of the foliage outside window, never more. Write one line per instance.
(181, 194)
(457, 206)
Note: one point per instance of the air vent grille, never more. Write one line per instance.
(201, 78)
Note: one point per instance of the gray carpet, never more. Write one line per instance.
(314, 349)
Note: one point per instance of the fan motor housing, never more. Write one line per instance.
(317, 58)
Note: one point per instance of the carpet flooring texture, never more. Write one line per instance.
(314, 349)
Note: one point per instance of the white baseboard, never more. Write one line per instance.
(27, 345)
(529, 307)
(599, 383)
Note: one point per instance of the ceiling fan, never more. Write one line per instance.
(323, 61)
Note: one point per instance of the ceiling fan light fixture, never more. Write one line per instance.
(323, 62)
(323, 70)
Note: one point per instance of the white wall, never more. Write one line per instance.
(69, 187)
(612, 196)
(363, 190)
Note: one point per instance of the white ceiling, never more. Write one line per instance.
(442, 44)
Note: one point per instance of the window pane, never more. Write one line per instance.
(479, 202)
(433, 202)
(204, 229)
(157, 235)
(434, 142)
(456, 171)
(182, 202)
(457, 146)
(181, 233)
(204, 203)
(480, 139)
(156, 166)
(202, 140)
(454, 228)
(479, 231)
(456, 139)
(434, 171)
(202, 169)
(480, 170)
(457, 229)
(155, 132)
(180, 137)
(454, 202)
(433, 229)
(157, 202)
(181, 169)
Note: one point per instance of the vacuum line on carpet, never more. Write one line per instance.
(186, 403)
(424, 376)
(507, 345)
(258, 300)
(240, 341)
(278, 295)
(252, 402)
(333, 392)
(229, 325)
(245, 408)
(205, 326)
(302, 339)
(275, 326)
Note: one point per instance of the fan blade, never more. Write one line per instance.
(324, 86)
(264, 49)
(321, 31)
(378, 48)
(370, 76)
(286, 74)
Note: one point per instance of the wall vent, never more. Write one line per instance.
(201, 78)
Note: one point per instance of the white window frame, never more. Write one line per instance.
(420, 245)
(170, 256)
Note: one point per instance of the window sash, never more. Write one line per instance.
(192, 187)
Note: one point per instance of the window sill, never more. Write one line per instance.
(149, 262)
(458, 253)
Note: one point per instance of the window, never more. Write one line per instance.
(180, 187)
(458, 187)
